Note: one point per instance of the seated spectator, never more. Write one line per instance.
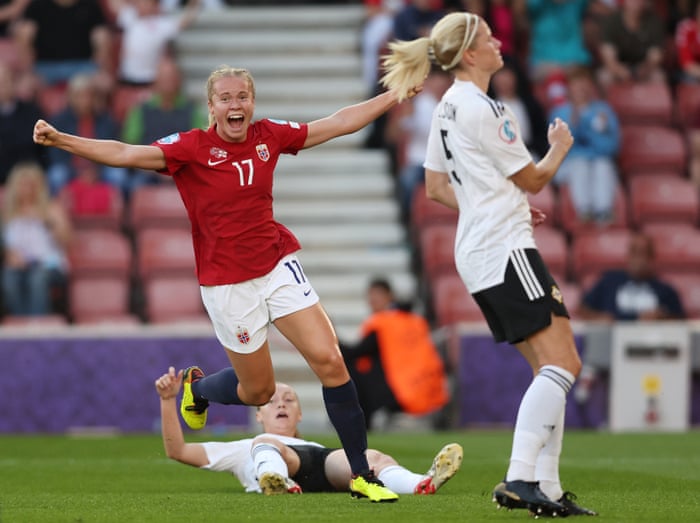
(512, 88)
(589, 169)
(632, 45)
(416, 19)
(146, 33)
(82, 117)
(687, 39)
(395, 366)
(17, 119)
(167, 111)
(10, 11)
(377, 27)
(414, 124)
(556, 37)
(36, 232)
(623, 295)
(61, 38)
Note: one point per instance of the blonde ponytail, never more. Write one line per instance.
(406, 66)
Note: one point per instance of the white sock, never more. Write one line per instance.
(538, 415)
(547, 465)
(267, 458)
(400, 479)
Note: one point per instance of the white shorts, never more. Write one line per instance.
(242, 312)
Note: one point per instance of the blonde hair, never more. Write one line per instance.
(408, 62)
(30, 171)
(226, 71)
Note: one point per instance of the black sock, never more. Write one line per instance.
(344, 411)
(221, 387)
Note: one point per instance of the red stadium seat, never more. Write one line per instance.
(164, 252)
(595, 251)
(158, 206)
(546, 201)
(112, 218)
(687, 106)
(173, 299)
(688, 287)
(661, 198)
(677, 248)
(641, 103)
(652, 149)
(570, 221)
(100, 299)
(96, 252)
(551, 244)
(452, 303)
(437, 243)
(425, 211)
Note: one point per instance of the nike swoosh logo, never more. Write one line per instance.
(212, 164)
(306, 293)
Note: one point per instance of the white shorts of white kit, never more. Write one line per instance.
(241, 313)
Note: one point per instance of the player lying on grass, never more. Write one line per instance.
(278, 461)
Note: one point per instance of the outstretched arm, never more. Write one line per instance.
(351, 118)
(107, 152)
(168, 386)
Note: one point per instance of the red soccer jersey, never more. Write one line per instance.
(227, 190)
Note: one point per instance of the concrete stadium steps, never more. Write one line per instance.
(323, 237)
(292, 212)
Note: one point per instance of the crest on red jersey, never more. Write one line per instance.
(242, 335)
(217, 153)
(263, 152)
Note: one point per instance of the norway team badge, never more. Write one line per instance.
(263, 152)
(242, 335)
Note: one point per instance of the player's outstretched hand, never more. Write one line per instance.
(45, 133)
(538, 216)
(168, 385)
(560, 134)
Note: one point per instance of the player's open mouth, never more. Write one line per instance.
(235, 120)
(282, 415)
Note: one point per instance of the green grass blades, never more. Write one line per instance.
(626, 478)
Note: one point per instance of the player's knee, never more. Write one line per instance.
(259, 395)
(331, 367)
(378, 460)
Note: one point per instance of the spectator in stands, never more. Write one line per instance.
(279, 461)
(247, 268)
(17, 119)
(87, 194)
(146, 34)
(395, 366)
(417, 19)
(632, 45)
(511, 87)
(635, 293)
(556, 37)
(687, 39)
(477, 163)
(10, 11)
(81, 116)
(377, 27)
(589, 170)
(61, 38)
(413, 124)
(35, 232)
(166, 111)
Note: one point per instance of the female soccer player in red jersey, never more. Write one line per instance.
(245, 261)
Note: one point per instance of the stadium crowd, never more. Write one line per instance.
(623, 73)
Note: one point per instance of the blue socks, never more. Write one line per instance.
(221, 387)
(344, 411)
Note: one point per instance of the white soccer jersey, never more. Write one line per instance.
(235, 457)
(477, 141)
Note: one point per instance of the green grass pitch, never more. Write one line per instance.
(627, 478)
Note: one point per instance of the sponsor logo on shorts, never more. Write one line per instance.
(306, 293)
(556, 294)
